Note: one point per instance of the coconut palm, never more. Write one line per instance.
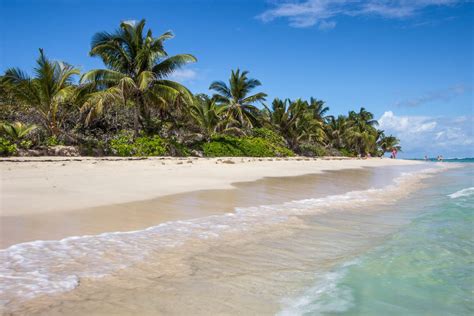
(335, 129)
(363, 117)
(361, 134)
(47, 92)
(239, 105)
(295, 122)
(282, 115)
(136, 74)
(388, 143)
(318, 109)
(206, 115)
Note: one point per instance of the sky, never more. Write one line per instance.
(410, 62)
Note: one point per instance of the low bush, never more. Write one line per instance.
(347, 153)
(125, 145)
(229, 146)
(25, 144)
(222, 146)
(269, 135)
(312, 150)
(7, 148)
(53, 141)
(122, 145)
(149, 146)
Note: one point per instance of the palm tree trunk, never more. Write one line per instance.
(136, 122)
(53, 125)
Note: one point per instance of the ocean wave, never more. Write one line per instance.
(462, 193)
(34, 268)
(326, 296)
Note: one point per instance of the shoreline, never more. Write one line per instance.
(33, 186)
(170, 250)
(53, 200)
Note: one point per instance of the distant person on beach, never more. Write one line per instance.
(394, 154)
(426, 157)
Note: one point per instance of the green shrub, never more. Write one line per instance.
(229, 146)
(124, 145)
(346, 152)
(53, 141)
(26, 144)
(269, 135)
(312, 150)
(222, 146)
(257, 147)
(7, 148)
(149, 146)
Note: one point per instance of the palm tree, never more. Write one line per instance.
(388, 143)
(295, 122)
(236, 99)
(361, 134)
(335, 130)
(364, 117)
(206, 115)
(47, 92)
(137, 68)
(318, 109)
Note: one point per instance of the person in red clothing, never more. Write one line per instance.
(394, 153)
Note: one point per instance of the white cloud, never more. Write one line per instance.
(184, 75)
(311, 12)
(420, 135)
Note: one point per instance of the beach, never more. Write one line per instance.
(49, 192)
(233, 236)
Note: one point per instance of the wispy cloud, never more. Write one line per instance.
(420, 135)
(184, 75)
(317, 12)
(433, 96)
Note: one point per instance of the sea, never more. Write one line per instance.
(425, 268)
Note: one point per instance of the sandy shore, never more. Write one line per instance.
(245, 231)
(57, 184)
(55, 198)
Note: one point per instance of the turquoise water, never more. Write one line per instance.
(426, 268)
(467, 160)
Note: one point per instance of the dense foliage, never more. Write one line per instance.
(132, 108)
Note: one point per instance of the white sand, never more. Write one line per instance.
(35, 186)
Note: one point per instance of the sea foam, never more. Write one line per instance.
(462, 193)
(34, 268)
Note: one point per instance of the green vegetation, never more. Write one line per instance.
(247, 146)
(125, 145)
(130, 107)
(7, 148)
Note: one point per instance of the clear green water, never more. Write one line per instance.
(426, 268)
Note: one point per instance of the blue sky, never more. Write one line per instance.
(410, 62)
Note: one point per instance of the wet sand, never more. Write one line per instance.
(248, 268)
(56, 199)
(183, 206)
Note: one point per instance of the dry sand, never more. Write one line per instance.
(37, 186)
(53, 198)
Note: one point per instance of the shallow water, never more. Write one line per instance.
(426, 268)
(277, 257)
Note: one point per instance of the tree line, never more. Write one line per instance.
(131, 107)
